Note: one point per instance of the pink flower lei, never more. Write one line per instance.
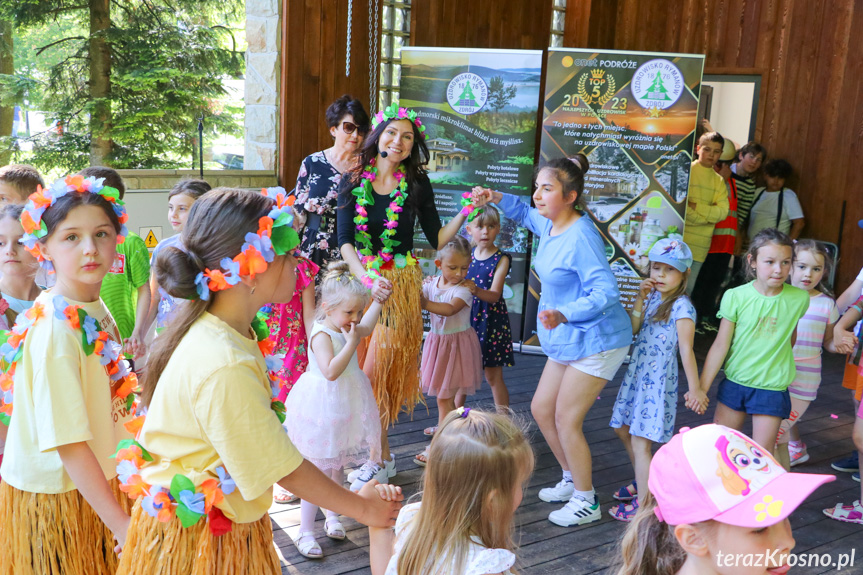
(365, 197)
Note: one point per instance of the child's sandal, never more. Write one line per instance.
(307, 546)
(627, 494)
(430, 431)
(334, 528)
(283, 496)
(422, 458)
(625, 511)
(846, 513)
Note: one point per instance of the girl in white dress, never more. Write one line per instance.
(478, 467)
(331, 413)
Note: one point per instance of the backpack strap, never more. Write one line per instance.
(779, 211)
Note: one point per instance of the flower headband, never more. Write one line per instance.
(275, 237)
(393, 112)
(31, 217)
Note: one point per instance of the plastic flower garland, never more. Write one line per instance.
(365, 197)
(275, 236)
(185, 500)
(92, 340)
(31, 218)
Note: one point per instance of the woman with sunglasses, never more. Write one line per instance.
(319, 178)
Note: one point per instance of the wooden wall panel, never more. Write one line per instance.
(314, 34)
(520, 24)
(811, 113)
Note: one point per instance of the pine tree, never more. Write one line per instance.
(137, 74)
(499, 94)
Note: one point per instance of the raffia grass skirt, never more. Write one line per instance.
(156, 548)
(392, 360)
(54, 534)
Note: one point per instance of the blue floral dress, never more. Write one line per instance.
(490, 320)
(647, 400)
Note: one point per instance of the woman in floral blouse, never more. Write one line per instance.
(319, 178)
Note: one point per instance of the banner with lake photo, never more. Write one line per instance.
(633, 114)
(480, 110)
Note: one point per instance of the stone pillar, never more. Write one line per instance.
(263, 36)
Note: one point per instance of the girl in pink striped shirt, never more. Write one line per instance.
(812, 264)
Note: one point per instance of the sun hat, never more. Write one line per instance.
(715, 472)
(729, 151)
(671, 251)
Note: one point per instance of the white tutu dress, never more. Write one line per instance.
(333, 423)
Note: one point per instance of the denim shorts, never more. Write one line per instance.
(754, 401)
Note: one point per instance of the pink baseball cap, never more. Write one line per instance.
(715, 472)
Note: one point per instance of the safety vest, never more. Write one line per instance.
(725, 232)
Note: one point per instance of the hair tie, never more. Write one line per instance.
(197, 261)
(463, 412)
(577, 161)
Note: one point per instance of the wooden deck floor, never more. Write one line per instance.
(546, 548)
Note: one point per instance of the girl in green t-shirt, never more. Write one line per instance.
(755, 340)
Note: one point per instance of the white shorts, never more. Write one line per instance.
(603, 365)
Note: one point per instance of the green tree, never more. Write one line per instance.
(499, 94)
(131, 79)
(7, 104)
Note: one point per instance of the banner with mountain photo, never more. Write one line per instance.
(633, 114)
(480, 110)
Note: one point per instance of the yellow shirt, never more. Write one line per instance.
(62, 396)
(211, 408)
(707, 190)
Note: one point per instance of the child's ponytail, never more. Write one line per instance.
(649, 546)
(216, 229)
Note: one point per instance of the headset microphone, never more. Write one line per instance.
(384, 153)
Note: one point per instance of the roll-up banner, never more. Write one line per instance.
(633, 114)
(480, 109)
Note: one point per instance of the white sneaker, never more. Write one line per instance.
(390, 466)
(798, 455)
(373, 472)
(559, 493)
(352, 476)
(576, 512)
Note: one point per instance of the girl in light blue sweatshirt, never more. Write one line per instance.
(582, 327)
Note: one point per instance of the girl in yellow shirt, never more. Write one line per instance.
(59, 503)
(212, 446)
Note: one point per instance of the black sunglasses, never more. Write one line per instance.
(350, 128)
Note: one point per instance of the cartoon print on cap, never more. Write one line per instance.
(742, 464)
(768, 506)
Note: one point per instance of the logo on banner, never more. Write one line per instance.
(467, 93)
(595, 87)
(657, 84)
